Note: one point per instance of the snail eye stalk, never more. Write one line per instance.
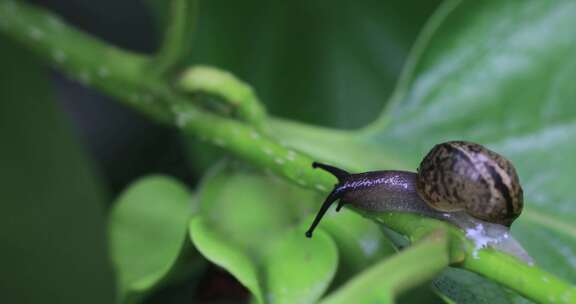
(332, 197)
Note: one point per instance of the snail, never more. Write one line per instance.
(457, 181)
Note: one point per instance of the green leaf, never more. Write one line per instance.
(52, 227)
(461, 286)
(298, 270)
(250, 226)
(498, 73)
(219, 251)
(510, 90)
(148, 228)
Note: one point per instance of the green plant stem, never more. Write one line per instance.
(407, 269)
(536, 284)
(246, 142)
(125, 75)
(530, 281)
(228, 88)
(177, 36)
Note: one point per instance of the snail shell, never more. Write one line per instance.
(460, 175)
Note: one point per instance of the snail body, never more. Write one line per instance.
(457, 178)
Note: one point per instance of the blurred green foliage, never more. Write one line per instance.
(149, 221)
(332, 63)
(303, 56)
(499, 73)
(52, 228)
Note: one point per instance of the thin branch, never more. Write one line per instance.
(230, 89)
(177, 36)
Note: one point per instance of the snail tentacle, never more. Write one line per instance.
(337, 172)
(336, 194)
(332, 197)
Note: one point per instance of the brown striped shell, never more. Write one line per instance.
(459, 175)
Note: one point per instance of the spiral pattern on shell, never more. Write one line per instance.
(461, 175)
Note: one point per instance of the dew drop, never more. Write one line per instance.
(35, 33)
(291, 156)
(182, 119)
(219, 142)
(267, 150)
(103, 72)
(59, 56)
(254, 135)
(54, 22)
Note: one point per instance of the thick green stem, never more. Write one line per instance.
(249, 144)
(126, 76)
(536, 284)
(530, 281)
